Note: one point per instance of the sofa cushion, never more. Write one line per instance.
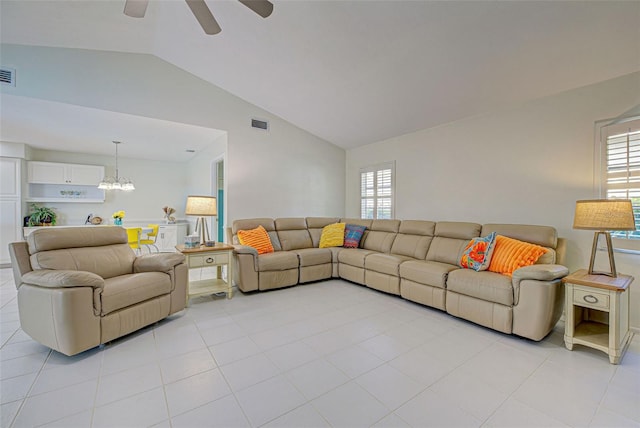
(332, 236)
(544, 236)
(489, 286)
(511, 254)
(257, 238)
(477, 253)
(353, 256)
(313, 256)
(107, 261)
(450, 240)
(125, 290)
(280, 260)
(427, 272)
(413, 238)
(381, 235)
(385, 263)
(293, 233)
(74, 237)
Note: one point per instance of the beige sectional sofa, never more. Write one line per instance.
(418, 260)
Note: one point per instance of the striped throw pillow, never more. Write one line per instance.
(257, 238)
(510, 254)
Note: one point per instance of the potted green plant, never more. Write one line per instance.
(42, 216)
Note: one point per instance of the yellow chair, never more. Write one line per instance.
(133, 233)
(148, 242)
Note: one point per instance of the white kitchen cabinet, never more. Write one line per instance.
(170, 235)
(64, 182)
(64, 173)
(10, 206)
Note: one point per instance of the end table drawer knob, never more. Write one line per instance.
(210, 260)
(589, 298)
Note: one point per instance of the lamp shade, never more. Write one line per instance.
(201, 206)
(604, 214)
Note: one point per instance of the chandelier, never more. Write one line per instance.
(116, 183)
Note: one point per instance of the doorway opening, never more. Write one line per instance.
(218, 191)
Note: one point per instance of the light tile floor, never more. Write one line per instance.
(325, 354)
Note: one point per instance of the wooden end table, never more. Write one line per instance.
(217, 256)
(597, 313)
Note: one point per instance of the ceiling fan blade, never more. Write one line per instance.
(135, 8)
(204, 16)
(261, 7)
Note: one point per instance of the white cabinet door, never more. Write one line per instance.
(170, 235)
(167, 238)
(10, 206)
(10, 223)
(10, 177)
(47, 172)
(89, 175)
(64, 173)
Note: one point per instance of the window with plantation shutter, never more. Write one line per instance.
(622, 172)
(377, 191)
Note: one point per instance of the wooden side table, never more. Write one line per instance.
(218, 256)
(597, 313)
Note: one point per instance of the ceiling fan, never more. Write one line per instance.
(137, 9)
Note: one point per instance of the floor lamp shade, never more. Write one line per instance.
(603, 215)
(202, 206)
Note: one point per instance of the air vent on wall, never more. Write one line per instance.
(260, 124)
(8, 76)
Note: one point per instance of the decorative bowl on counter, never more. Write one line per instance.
(96, 220)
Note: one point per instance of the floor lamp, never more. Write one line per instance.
(202, 206)
(603, 215)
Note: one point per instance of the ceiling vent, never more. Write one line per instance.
(8, 76)
(260, 124)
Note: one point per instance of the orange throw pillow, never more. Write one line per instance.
(511, 254)
(257, 238)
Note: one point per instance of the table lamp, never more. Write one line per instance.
(603, 215)
(202, 206)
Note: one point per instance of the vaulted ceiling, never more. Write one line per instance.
(357, 72)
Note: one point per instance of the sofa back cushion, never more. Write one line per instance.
(450, 240)
(381, 235)
(315, 225)
(252, 223)
(544, 236)
(414, 238)
(293, 233)
(100, 250)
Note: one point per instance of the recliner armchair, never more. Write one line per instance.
(84, 286)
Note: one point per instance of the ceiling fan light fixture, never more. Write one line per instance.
(199, 8)
(263, 8)
(136, 8)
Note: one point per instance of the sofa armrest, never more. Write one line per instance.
(245, 249)
(538, 296)
(163, 262)
(541, 272)
(62, 278)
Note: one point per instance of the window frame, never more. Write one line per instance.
(604, 130)
(376, 197)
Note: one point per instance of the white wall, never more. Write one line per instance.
(283, 172)
(525, 164)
